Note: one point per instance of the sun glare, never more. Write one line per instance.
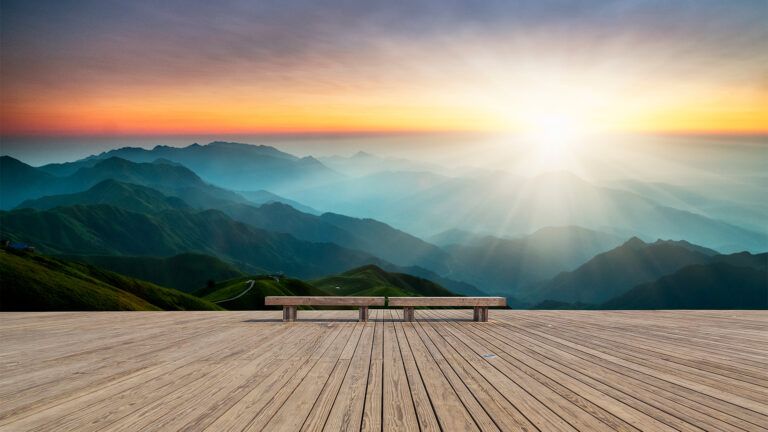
(554, 138)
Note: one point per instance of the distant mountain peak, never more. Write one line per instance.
(9, 162)
(277, 206)
(6, 158)
(634, 243)
(361, 154)
(311, 159)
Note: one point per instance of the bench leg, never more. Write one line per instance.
(363, 314)
(407, 314)
(480, 314)
(289, 313)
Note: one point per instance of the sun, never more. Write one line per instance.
(553, 137)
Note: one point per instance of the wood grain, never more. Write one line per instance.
(524, 370)
(323, 301)
(448, 301)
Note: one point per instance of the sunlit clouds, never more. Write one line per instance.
(244, 67)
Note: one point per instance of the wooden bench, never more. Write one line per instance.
(480, 304)
(289, 303)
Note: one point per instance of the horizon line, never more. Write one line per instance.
(363, 133)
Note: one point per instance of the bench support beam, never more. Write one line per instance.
(407, 314)
(289, 313)
(363, 314)
(480, 314)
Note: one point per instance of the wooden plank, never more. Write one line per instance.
(504, 413)
(459, 385)
(272, 386)
(648, 380)
(186, 397)
(737, 399)
(86, 407)
(347, 411)
(449, 409)
(77, 373)
(293, 412)
(372, 411)
(321, 409)
(652, 401)
(398, 411)
(323, 301)
(448, 301)
(614, 409)
(541, 406)
(425, 413)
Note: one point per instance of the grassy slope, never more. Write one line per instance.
(36, 282)
(371, 280)
(254, 299)
(186, 272)
(124, 195)
(109, 230)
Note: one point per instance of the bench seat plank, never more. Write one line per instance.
(448, 301)
(323, 301)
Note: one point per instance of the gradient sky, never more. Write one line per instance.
(172, 67)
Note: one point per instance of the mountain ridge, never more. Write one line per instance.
(616, 271)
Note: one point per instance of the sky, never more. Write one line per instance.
(144, 68)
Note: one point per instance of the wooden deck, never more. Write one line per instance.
(523, 370)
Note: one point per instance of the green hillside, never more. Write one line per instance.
(713, 286)
(124, 195)
(172, 180)
(186, 272)
(371, 280)
(21, 182)
(109, 230)
(39, 283)
(254, 298)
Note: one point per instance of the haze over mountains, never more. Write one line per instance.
(554, 237)
(231, 165)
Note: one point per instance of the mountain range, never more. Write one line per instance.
(231, 165)
(638, 273)
(171, 216)
(170, 179)
(503, 266)
(110, 230)
(718, 285)
(614, 272)
(505, 205)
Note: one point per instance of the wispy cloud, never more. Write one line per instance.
(242, 65)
